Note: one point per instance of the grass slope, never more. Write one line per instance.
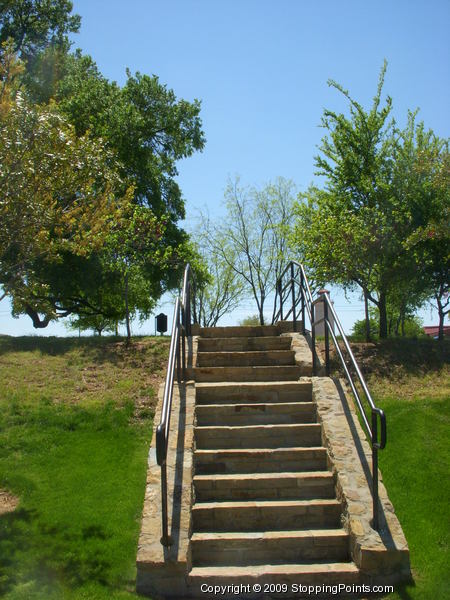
(75, 426)
(410, 381)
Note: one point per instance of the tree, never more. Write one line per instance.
(34, 25)
(146, 129)
(217, 290)
(60, 196)
(252, 239)
(354, 231)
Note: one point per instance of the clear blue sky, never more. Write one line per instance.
(260, 69)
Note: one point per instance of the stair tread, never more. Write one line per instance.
(269, 569)
(305, 449)
(304, 382)
(265, 503)
(338, 533)
(274, 475)
(275, 405)
(266, 426)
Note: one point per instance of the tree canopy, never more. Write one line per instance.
(358, 230)
(91, 206)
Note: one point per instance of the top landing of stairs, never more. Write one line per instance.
(238, 331)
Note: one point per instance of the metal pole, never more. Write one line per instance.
(293, 297)
(166, 540)
(327, 335)
(313, 339)
(303, 301)
(375, 470)
(280, 292)
(178, 349)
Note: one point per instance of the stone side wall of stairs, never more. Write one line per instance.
(277, 495)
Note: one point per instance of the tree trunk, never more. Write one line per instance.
(383, 315)
(127, 310)
(367, 318)
(441, 313)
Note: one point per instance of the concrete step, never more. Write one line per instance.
(246, 359)
(274, 547)
(258, 436)
(264, 486)
(275, 413)
(260, 461)
(266, 373)
(288, 576)
(266, 515)
(246, 392)
(239, 331)
(243, 344)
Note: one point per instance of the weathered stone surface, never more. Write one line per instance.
(163, 570)
(382, 554)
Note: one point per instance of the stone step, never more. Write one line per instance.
(246, 359)
(239, 331)
(260, 461)
(274, 547)
(275, 413)
(290, 575)
(258, 436)
(267, 515)
(245, 392)
(264, 486)
(243, 344)
(266, 373)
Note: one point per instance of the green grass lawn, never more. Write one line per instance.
(415, 471)
(75, 427)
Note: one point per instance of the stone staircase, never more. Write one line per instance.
(265, 506)
(268, 479)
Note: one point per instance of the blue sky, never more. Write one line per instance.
(260, 69)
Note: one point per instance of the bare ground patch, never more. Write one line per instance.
(8, 502)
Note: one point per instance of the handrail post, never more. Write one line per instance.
(327, 334)
(280, 292)
(166, 539)
(313, 339)
(178, 349)
(294, 319)
(302, 283)
(375, 469)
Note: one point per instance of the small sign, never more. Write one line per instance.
(161, 323)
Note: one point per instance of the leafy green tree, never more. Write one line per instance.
(143, 122)
(60, 195)
(34, 25)
(355, 231)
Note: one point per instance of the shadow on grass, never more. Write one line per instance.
(48, 554)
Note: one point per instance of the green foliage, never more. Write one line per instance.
(34, 25)
(143, 121)
(252, 321)
(103, 146)
(381, 190)
(410, 326)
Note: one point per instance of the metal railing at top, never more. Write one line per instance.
(181, 329)
(293, 290)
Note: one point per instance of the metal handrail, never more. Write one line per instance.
(181, 328)
(301, 293)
